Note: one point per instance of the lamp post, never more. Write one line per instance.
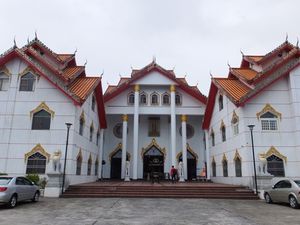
(66, 154)
(254, 167)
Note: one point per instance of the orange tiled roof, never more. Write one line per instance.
(82, 86)
(246, 73)
(110, 88)
(233, 87)
(69, 72)
(255, 58)
(64, 57)
(123, 80)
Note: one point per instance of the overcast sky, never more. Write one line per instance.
(193, 37)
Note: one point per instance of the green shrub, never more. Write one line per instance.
(3, 174)
(33, 178)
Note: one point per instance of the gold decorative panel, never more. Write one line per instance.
(268, 108)
(274, 151)
(119, 147)
(40, 149)
(153, 143)
(234, 117)
(237, 155)
(42, 106)
(5, 71)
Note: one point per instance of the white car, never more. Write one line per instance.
(285, 190)
(14, 189)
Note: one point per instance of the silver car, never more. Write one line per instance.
(16, 189)
(285, 190)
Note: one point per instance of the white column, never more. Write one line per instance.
(100, 154)
(124, 145)
(135, 131)
(184, 150)
(208, 168)
(173, 126)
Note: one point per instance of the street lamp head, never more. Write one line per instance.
(68, 125)
(251, 126)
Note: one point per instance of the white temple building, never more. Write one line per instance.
(40, 91)
(154, 121)
(265, 92)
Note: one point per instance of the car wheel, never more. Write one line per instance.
(13, 201)
(293, 202)
(268, 198)
(36, 197)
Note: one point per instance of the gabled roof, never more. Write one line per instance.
(242, 84)
(70, 80)
(112, 91)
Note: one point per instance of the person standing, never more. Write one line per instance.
(173, 173)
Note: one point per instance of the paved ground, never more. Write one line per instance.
(147, 211)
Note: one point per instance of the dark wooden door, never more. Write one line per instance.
(191, 169)
(115, 170)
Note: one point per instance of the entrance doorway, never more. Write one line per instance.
(191, 165)
(116, 164)
(153, 161)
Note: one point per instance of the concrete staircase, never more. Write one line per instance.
(162, 190)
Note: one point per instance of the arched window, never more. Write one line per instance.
(41, 120)
(78, 164)
(91, 132)
(154, 99)
(223, 131)
(178, 99)
(89, 169)
(166, 99)
(212, 136)
(225, 168)
(96, 167)
(36, 164)
(27, 82)
(275, 166)
(131, 98)
(269, 121)
(81, 125)
(214, 168)
(238, 167)
(220, 102)
(4, 82)
(93, 102)
(143, 98)
(98, 137)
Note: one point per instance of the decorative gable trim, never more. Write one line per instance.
(42, 106)
(222, 125)
(274, 151)
(268, 108)
(155, 144)
(224, 158)
(234, 117)
(40, 149)
(237, 155)
(4, 70)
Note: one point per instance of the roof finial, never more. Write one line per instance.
(102, 73)
(15, 43)
(228, 64)
(75, 51)
(286, 37)
(120, 75)
(35, 35)
(28, 40)
(85, 62)
(211, 76)
(242, 52)
(297, 44)
(154, 59)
